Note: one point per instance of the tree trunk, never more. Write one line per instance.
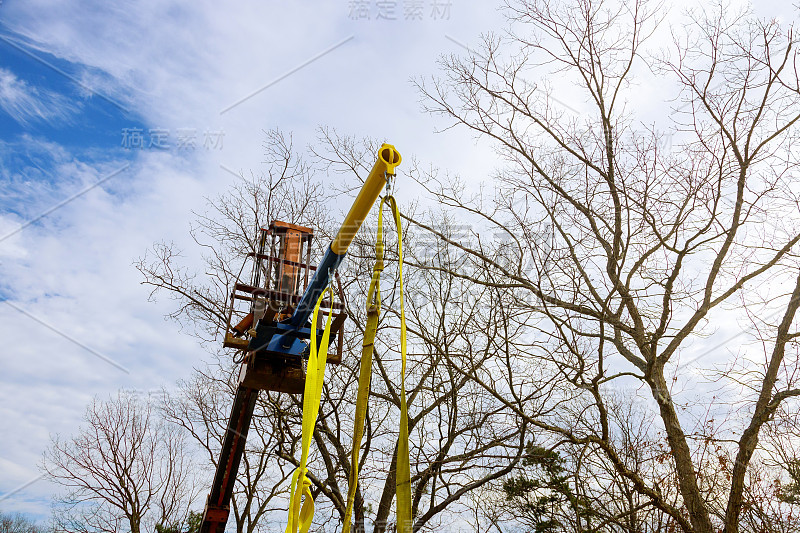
(389, 489)
(687, 476)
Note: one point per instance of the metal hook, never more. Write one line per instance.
(389, 183)
(331, 274)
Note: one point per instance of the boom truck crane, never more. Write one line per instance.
(274, 335)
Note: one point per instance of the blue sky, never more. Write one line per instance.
(45, 97)
(45, 105)
(78, 80)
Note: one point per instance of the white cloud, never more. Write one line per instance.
(72, 271)
(27, 104)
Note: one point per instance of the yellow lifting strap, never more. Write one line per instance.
(300, 517)
(403, 478)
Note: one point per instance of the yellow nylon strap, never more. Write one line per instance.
(300, 517)
(403, 478)
(365, 374)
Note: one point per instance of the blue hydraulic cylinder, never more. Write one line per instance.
(322, 277)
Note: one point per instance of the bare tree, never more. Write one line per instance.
(227, 231)
(629, 246)
(462, 438)
(18, 523)
(461, 336)
(201, 406)
(124, 470)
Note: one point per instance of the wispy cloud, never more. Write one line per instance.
(63, 203)
(26, 103)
